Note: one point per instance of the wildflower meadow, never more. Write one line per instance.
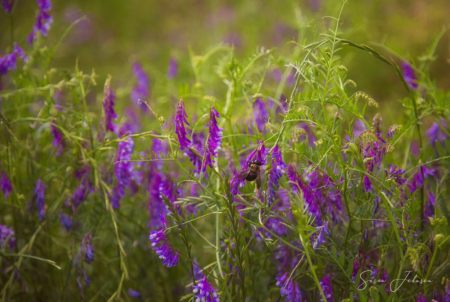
(225, 172)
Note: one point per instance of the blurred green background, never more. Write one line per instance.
(116, 33)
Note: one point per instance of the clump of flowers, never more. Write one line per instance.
(86, 254)
(166, 252)
(39, 198)
(140, 90)
(289, 289)
(108, 107)
(7, 235)
(43, 20)
(327, 289)
(213, 141)
(204, 291)
(5, 184)
(8, 62)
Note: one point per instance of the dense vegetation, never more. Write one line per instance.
(261, 177)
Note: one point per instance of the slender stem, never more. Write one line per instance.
(219, 265)
(431, 265)
(311, 267)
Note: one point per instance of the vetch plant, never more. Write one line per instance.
(222, 189)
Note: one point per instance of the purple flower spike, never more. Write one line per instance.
(58, 141)
(140, 90)
(173, 68)
(311, 201)
(66, 221)
(180, 120)
(134, 294)
(395, 174)
(435, 133)
(40, 194)
(447, 291)
(166, 252)
(289, 289)
(376, 126)
(8, 5)
(327, 288)
(205, 292)
(213, 141)
(108, 107)
(43, 20)
(261, 114)
(156, 205)
(8, 62)
(7, 234)
(409, 75)
(421, 298)
(86, 249)
(276, 153)
(320, 236)
(5, 185)
(274, 175)
(124, 168)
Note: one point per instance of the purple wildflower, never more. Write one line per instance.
(7, 234)
(409, 75)
(114, 198)
(197, 144)
(298, 184)
(166, 252)
(108, 107)
(395, 174)
(373, 154)
(156, 206)
(261, 114)
(87, 252)
(320, 236)
(276, 153)
(140, 90)
(40, 194)
(173, 68)
(376, 126)
(435, 133)
(58, 141)
(66, 221)
(275, 173)
(429, 207)
(274, 176)
(43, 20)
(80, 193)
(124, 168)
(8, 5)
(180, 120)
(289, 288)
(359, 128)
(421, 298)
(447, 291)
(416, 181)
(134, 294)
(326, 192)
(327, 288)
(204, 291)
(391, 131)
(213, 141)
(5, 185)
(8, 62)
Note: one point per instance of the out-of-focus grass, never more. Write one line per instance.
(117, 31)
